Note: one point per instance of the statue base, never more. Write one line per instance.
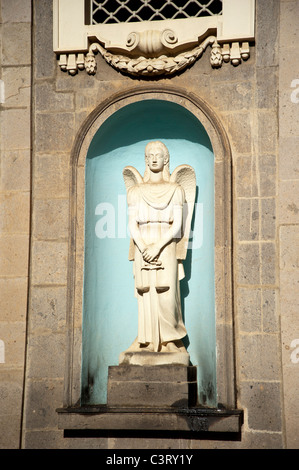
(141, 355)
(147, 358)
(170, 385)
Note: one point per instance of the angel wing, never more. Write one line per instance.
(184, 175)
(131, 178)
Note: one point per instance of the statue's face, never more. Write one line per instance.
(155, 158)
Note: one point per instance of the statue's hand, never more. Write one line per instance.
(151, 252)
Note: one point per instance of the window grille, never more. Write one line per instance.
(116, 11)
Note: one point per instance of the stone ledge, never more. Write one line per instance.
(150, 419)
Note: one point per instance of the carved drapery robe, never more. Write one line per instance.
(154, 207)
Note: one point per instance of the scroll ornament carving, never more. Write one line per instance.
(149, 53)
(146, 65)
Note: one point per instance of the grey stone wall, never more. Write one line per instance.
(15, 158)
(254, 105)
(288, 214)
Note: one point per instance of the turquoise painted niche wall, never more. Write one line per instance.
(109, 305)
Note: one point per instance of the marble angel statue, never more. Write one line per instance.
(160, 209)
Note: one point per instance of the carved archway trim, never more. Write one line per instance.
(223, 233)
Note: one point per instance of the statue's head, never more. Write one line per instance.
(156, 159)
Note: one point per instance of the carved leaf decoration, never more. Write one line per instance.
(159, 64)
(148, 66)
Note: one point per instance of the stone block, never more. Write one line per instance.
(85, 99)
(16, 44)
(248, 268)
(268, 219)
(267, 131)
(266, 87)
(288, 157)
(270, 313)
(45, 59)
(222, 270)
(152, 443)
(51, 176)
(80, 117)
(16, 130)
(14, 212)
(108, 88)
(47, 99)
(49, 439)
(261, 440)
(220, 175)
(287, 73)
(288, 209)
(262, 399)
(13, 335)
(226, 73)
(144, 358)
(51, 219)
(10, 439)
(54, 132)
(288, 110)
(152, 386)
(167, 373)
(46, 356)
(11, 389)
(41, 410)
(240, 131)
(14, 255)
(246, 182)
(289, 248)
(289, 287)
(249, 309)
(268, 263)
(107, 73)
(289, 29)
(291, 378)
(233, 96)
(88, 443)
(49, 260)
(13, 299)
(225, 367)
(48, 305)
(18, 11)
(248, 215)
(250, 440)
(17, 83)
(267, 11)
(259, 357)
(267, 175)
(15, 170)
(65, 81)
(44, 439)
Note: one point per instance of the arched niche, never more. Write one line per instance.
(102, 311)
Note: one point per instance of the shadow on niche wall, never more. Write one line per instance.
(145, 121)
(109, 305)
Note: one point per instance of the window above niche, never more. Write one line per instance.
(117, 11)
(151, 37)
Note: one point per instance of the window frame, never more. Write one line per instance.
(76, 42)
